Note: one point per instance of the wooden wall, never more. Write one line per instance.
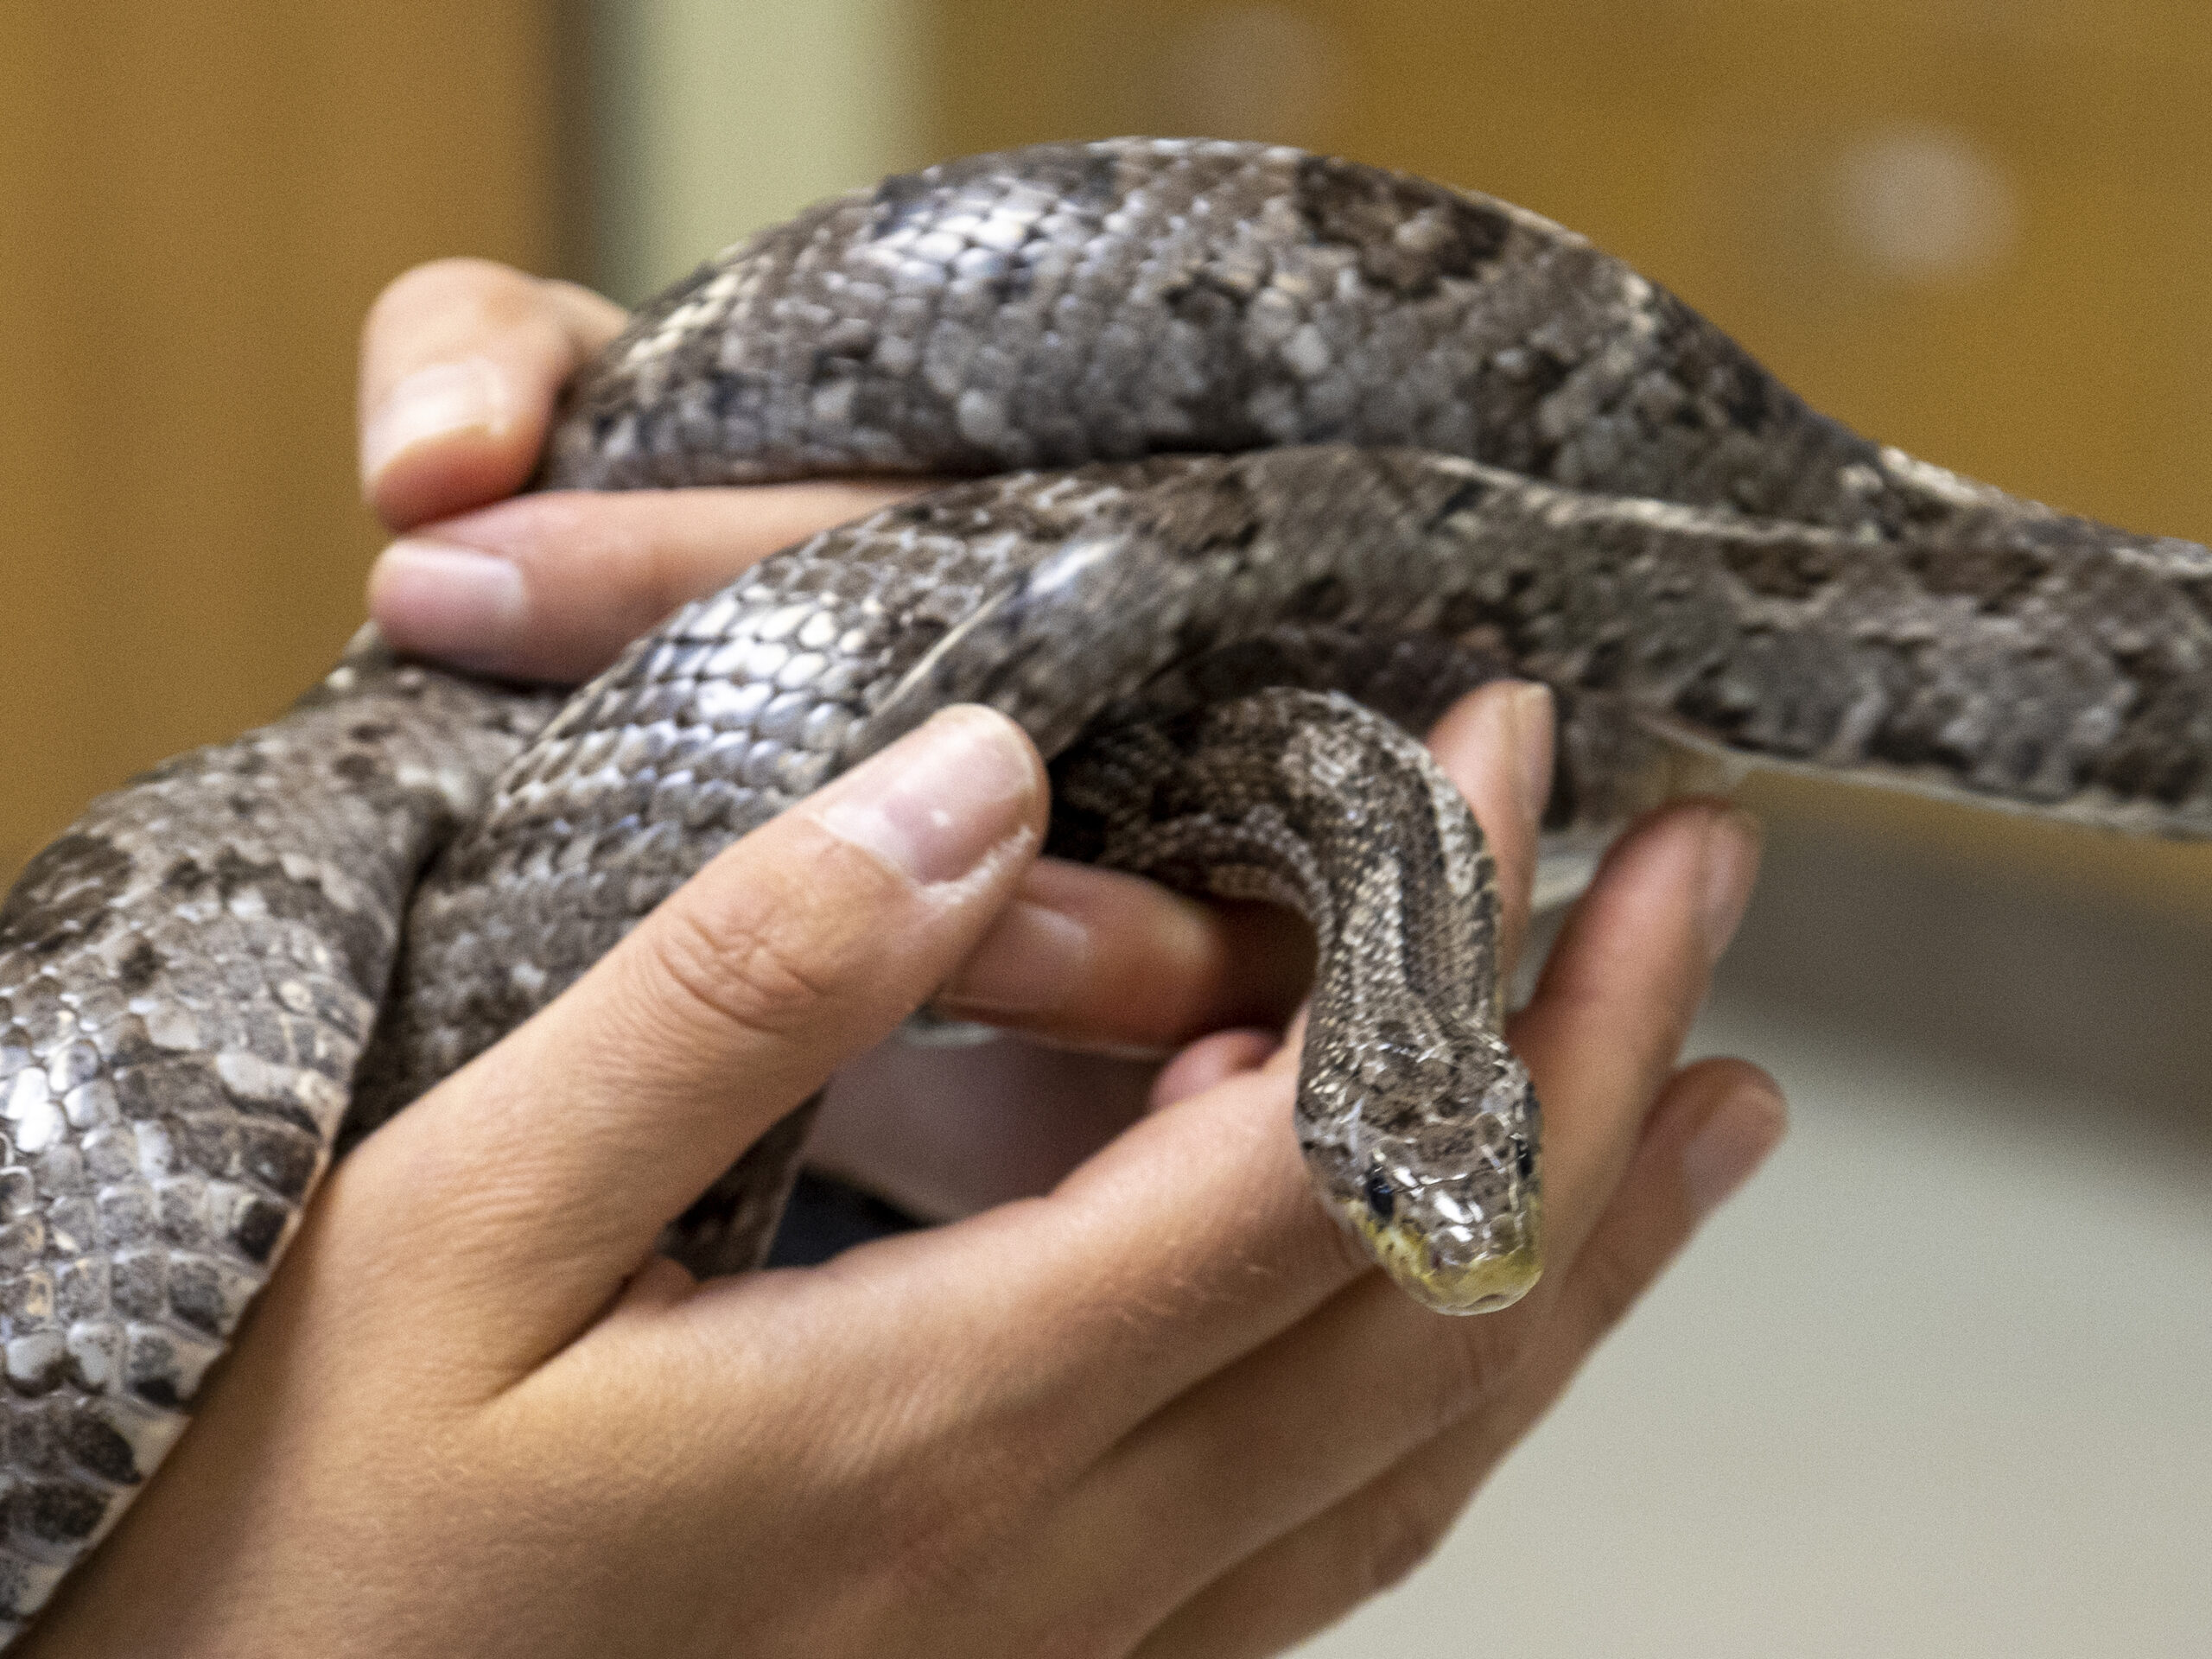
(197, 203)
(1758, 156)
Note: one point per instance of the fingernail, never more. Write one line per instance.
(1731, 863)
(437, 402)
(1033, 961)
(1529, 717)
(447, 600)
(1731, 1143)
(940, 799)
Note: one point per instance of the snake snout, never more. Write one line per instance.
(1444, 1194)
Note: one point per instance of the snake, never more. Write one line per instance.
(1262, 458)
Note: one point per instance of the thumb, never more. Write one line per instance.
(520, 1192)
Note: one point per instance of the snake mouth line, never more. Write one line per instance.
(1485, 1285)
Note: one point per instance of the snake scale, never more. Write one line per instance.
(1270, 455)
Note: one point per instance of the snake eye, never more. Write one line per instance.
(1381, 1197)
(1524, 1157)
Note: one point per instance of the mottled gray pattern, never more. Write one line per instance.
(1455, 441)
(187, 980)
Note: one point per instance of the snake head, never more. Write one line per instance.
(1428, 1153)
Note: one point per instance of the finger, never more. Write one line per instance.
(533, 1181)
(1211, 1061)
(552, 587)
(1715, 1125)
(1517, 717)
(946, 1130)
(1628, 975)
(1094, 956)
(1413, 1374)
(1103, 958)
(461, 361)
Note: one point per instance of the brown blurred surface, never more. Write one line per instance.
(1761, 158)
(1979, 229)
(199, 202)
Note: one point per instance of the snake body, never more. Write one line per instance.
(1283, 452)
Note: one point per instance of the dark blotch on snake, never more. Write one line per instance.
(65, 895)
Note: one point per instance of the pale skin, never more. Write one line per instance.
(1144, 1399)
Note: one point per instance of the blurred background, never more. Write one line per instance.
(1941, 1381)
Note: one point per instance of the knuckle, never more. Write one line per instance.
(1606, 1283)
(1339, 1247)
(929, 1540)
(1399, 1526)
(1467, 1367)
(957, 1493)
(956, 1516)
(741, 973)
(1568, 997)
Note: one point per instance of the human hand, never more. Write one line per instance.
(462, 364)
(1167, 1409)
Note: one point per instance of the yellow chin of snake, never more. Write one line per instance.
(1482, 1285)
